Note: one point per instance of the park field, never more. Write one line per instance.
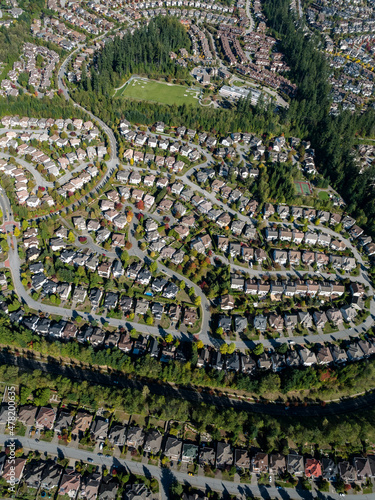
(165, 93)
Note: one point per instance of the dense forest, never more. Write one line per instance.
(26, 105)
(342, 434)
(11, 42)
(276, 183)
(217, 121)
(308, 116)
(146, 51)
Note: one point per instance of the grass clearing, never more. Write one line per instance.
(323, 195)
(238, 83)
(165, 93)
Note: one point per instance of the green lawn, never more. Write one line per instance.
(237, 83)
(323, 195)
(165, 93)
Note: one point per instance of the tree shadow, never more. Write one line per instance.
(167, 478)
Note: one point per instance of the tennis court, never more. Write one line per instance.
(303, 187)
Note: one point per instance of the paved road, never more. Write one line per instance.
(14, 261)
(14, 264)
(250, 17)
(166, 476)
(205, 303)
(5, 206)
(114, 160)
(39, 179)
(69, 174)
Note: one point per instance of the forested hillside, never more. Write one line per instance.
(216, 121)
(26, 105)
(308, 116)
(146, 51)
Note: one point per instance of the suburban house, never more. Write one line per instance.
(224, 455)
(173, 448)
(295, 465)
(259, 463)
(45, 418)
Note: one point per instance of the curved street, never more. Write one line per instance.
(14, 263)
(166, 476)
(39, 179)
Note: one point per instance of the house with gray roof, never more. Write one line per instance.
(224, 455)
(173, 448)
(117, 435)
(207, 456)
(135, 437)
(347, 472)
(365, 467)
(137, 492)
(308, 358)
(264, 361)
(354, 352)
(233, 362)
(349, 312)
(240, 324)
(329, 469)
(320, 319)
(63, 421)
(334, 315)
(295, 465)
(339, 355)
(32, 474)
(305, 319)
(51, 475)
(248, 364)
(90, 486)
(291, 321)
(99, 429)
(153, 442)
(278, 361)
(260, 323)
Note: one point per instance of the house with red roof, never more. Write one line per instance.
(313, 468)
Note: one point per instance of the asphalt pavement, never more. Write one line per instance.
(167, 476)
(14, 260)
